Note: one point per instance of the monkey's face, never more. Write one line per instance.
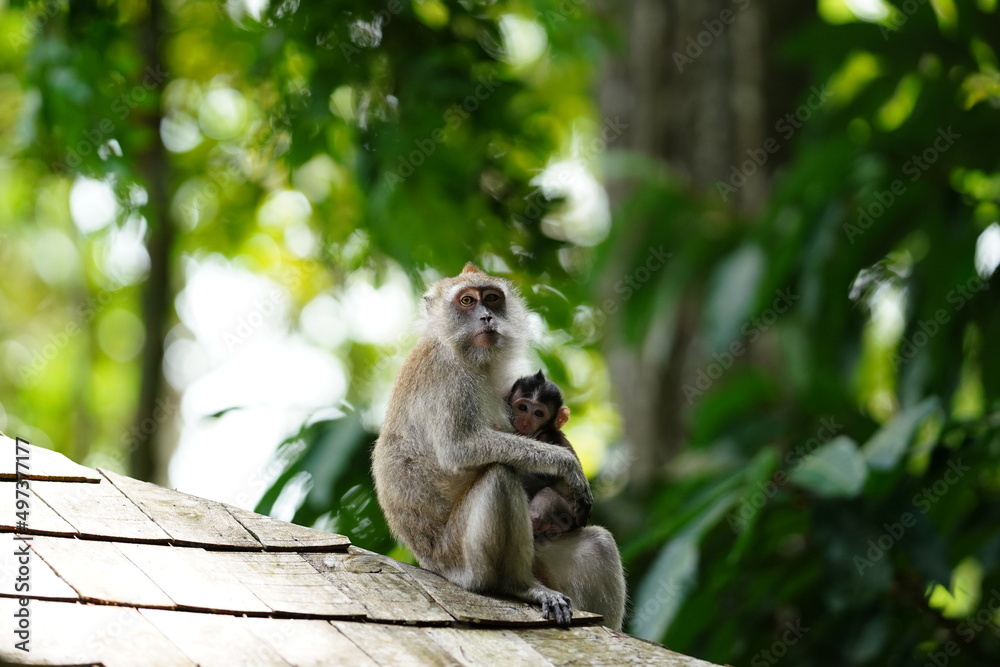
(481, 311)
(529, 416)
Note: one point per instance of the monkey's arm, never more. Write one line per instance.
(483, 446)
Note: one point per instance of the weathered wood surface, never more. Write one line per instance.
(74, 634)
(385, 593)
(471, 608)
(41, 464)
(99, 510)
(187, 519)
(128, 573)
(288, 584)
(194, 579)
(77, 562)
(283, 536)
(41, 519)
(42, 583)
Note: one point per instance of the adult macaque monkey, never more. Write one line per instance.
(449, 482)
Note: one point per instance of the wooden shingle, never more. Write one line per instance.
(128, 573)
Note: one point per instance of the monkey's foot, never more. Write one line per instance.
(555, 606)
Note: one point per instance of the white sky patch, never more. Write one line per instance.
(988, 251)
(252, 8)
(284, 208)
(126, 259)
(180, 132)
(221, 301)
(584, 218)
(888, 303)
(323, 321)
(869, 10)
(524, 40)
(379, 315)
(92, 204)
(242, 355)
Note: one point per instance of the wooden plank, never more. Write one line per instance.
(99, 510)
(41, 518)
(188, 520)
(472, 608)
(39, 582)
(308, 643)
(41, 463)
(397, 645)
(98, 571)
(214, 641)
(475, 646)
(194, 578)
(597, 645)
(288, 584)
(63, 633)
(386, 593)
(278, 535)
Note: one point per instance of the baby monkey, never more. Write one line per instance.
(537, 411)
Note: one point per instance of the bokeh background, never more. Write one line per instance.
(759, 239)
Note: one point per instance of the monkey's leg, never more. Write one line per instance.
(490, 544)
(586, 566)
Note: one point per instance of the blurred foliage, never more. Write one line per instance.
(837, 499)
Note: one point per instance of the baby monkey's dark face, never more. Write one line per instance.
(529, 416)
(536, 406)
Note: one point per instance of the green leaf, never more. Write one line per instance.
(673, 573)
(836, 469)
(883, 450)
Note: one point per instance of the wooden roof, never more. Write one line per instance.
(127, 573)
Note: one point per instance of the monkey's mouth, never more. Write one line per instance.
(485, 336)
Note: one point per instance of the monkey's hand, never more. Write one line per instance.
(583, 498)
(556, 607)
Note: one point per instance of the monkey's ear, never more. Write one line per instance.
(471, 268)
(540, 376)
(562, 416)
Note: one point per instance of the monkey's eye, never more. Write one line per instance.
(522, 407)
(492, 297)
(467, 300)
(539, 413)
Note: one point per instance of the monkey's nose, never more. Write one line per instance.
(486, 318)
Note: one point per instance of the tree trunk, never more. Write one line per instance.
(690, 85)
(145, 462)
